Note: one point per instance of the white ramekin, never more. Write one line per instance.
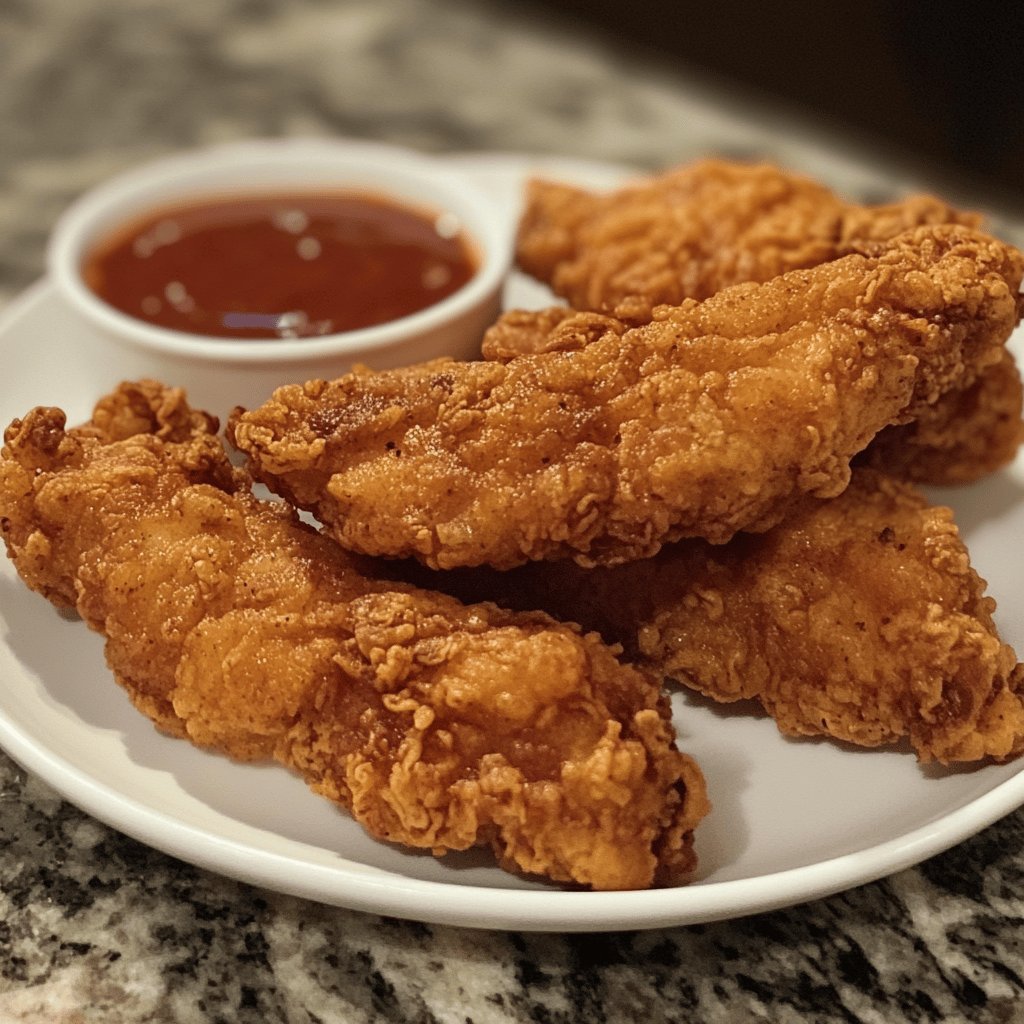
(221, 373)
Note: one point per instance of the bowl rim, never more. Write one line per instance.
(161, 182)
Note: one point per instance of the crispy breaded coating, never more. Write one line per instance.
(438, 725)
(966, 435)
(521, 332)
(969, 432)
(858, 618)
(146, 407)
(699, 228)
(695, 230)
(716, 417)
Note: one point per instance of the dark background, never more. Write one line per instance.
(940, 85)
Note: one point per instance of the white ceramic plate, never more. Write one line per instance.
(792, 820)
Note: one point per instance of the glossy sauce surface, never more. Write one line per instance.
(280, 265)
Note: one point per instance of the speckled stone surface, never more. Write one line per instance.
(95, 927)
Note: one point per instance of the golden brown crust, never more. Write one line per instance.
(697, 229)
(440, 726)
(555, 329)
(694, 230)
(966, 435)
(971, 431)
(858, 618)
(713, 418)
(146, 407)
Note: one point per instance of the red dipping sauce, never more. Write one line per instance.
(280, 265)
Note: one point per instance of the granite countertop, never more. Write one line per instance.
(95, 927)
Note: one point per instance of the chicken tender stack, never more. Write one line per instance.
(716, 417)
(696, 229)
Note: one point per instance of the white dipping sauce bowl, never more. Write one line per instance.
(219, 374)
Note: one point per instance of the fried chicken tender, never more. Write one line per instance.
(967, 434)
(230, 622)
(699, 228)
(695, 230)
(716, 417)
(858, 618)
(971, 431)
